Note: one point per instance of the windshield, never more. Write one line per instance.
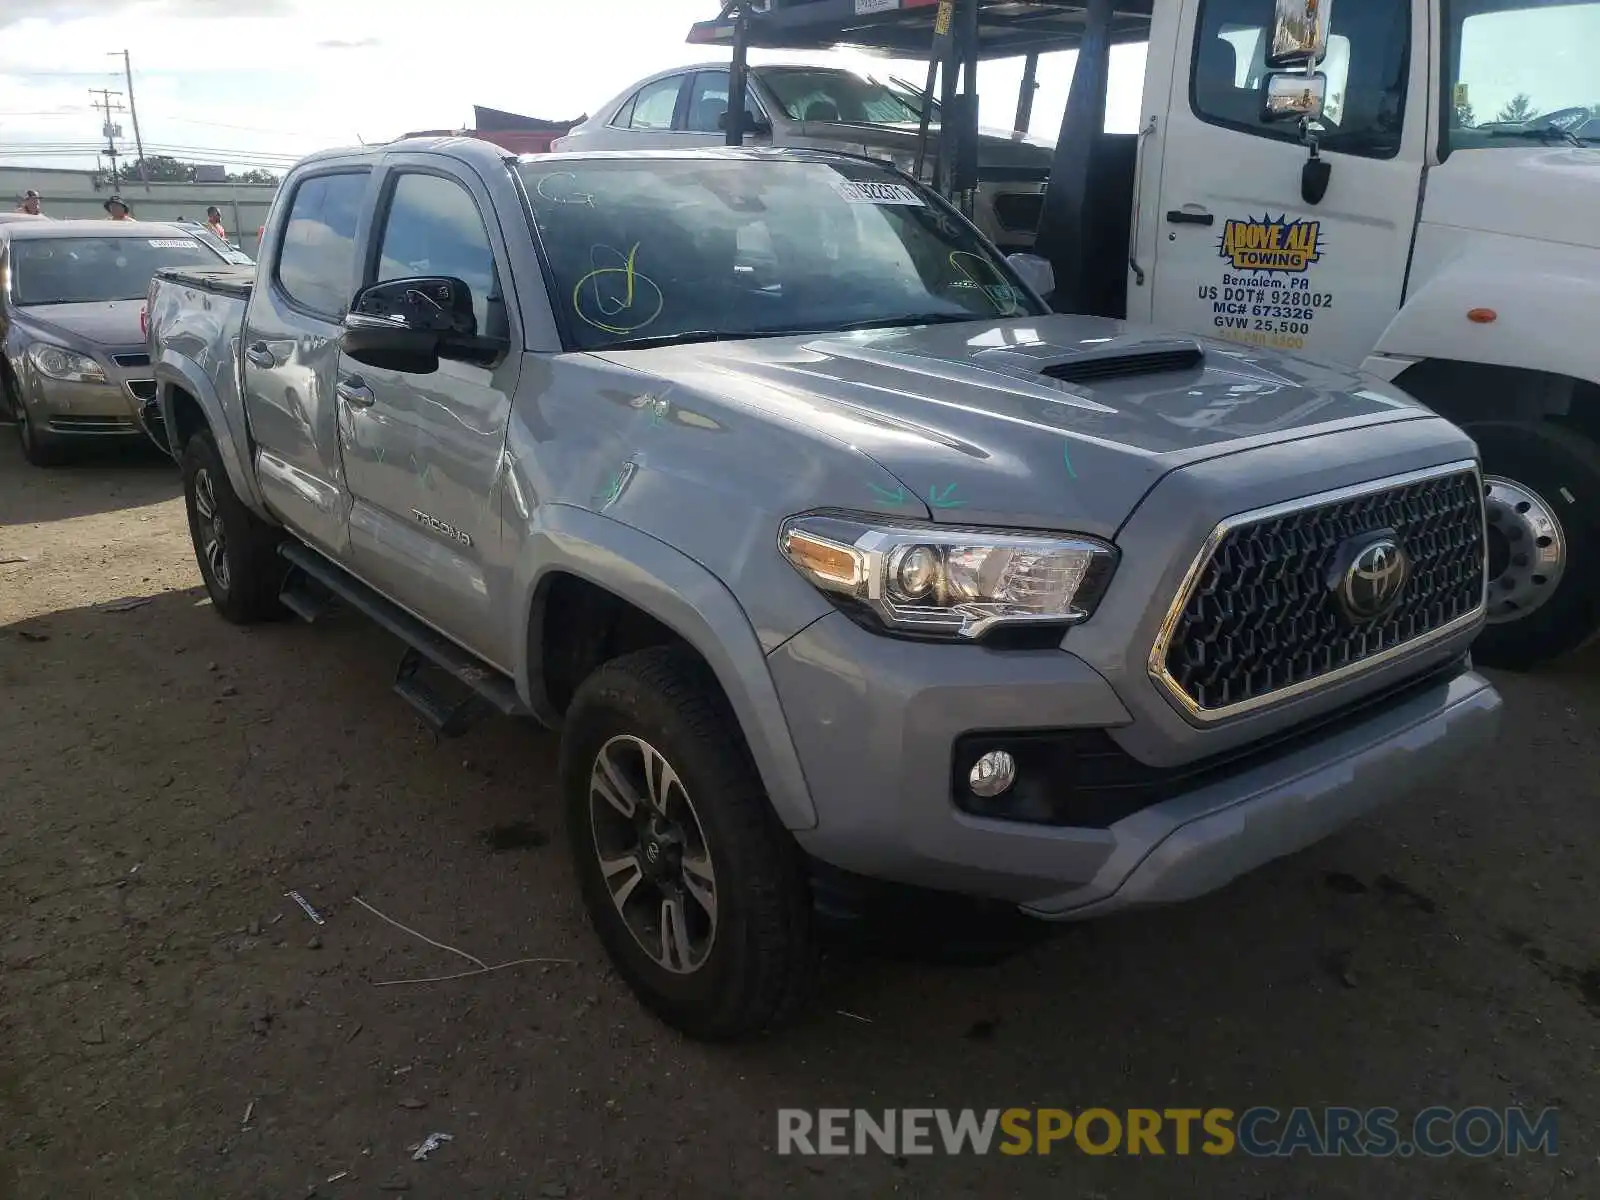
(824, 94)
(1521, 69)
(89, 269)
(653, 248)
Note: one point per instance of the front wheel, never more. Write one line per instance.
(694, 888)
(1542, 504)
(39, 447)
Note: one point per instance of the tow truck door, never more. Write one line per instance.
(1240, 252)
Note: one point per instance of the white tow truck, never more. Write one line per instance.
(1404, 185)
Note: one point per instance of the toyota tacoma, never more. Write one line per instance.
(833, 554)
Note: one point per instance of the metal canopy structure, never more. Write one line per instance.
(1082, 228)
(904, 28)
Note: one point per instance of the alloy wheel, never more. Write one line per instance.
(653, 854)
(1527, 550)
(213, 537)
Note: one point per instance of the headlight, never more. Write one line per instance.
(948, 580)
(57, 362)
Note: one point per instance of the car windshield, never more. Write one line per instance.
(89, 269)
(829, 94)
(646, 249)
(1522, 71)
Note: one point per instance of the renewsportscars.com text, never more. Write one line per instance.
(1258, 1132)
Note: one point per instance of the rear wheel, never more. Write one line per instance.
(1542, 504)
(694, 888)
(235, 549)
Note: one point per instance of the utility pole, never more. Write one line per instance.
(110, 129)
(133, 111)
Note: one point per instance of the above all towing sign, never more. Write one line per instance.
(1265, 297)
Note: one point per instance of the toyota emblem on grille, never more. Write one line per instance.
(1376, 575)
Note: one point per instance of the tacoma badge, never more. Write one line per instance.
(438, 526)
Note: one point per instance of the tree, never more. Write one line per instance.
(1518, 111)
(160, 168)
(254, 175)
(1465, 117)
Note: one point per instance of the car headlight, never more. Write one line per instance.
(57, 362)
(946, 580)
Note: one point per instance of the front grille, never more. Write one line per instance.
(131, 360)
(142, 389)
(1019, 211)
(1261, 620)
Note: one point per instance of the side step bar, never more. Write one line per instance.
(313, 581)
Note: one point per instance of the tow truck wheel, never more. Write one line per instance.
(1542, 504)
(693, 887)
(236, 550)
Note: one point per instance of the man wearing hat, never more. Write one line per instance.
(118, 208)
(30, 203)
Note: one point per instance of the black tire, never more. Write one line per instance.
(1563, 469)
(245, 581)
(40, 449)
(760, 964)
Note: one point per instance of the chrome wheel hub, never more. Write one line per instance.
(1527, 550)
(652, 853)
(213, 538)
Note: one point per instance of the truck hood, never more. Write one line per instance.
(971, 421)
(101, 323)
(996, 148)
(1547, 193)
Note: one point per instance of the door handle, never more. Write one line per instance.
(353, 390)
(1178, 216)
(261, 355)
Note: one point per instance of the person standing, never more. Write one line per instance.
(30, 203)
(214, 222)
(118, 208)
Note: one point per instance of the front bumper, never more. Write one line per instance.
(875, 721)
(83, 409)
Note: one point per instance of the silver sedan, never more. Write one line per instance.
(75, 366)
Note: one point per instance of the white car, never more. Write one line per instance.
(827, 108)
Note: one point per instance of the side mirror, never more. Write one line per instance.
(410, 324)
(1293, 96)
(1299, 33)
(754, 126)
(1034, 271)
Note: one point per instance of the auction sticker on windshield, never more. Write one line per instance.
(863, 192)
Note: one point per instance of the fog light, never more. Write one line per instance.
(992, 774)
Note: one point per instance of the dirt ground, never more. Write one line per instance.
(172, 1025)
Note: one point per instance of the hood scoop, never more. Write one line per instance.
(1124, 361)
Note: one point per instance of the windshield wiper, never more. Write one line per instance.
(1542, 133)
(691, 336)
(936, 318)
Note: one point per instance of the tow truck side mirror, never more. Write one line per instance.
(1299, 33)
(1293, 96)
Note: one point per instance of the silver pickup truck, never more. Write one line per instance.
(839, 561)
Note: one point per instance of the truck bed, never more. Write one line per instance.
(226, 279)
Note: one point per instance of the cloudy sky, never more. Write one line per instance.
(216, 85)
